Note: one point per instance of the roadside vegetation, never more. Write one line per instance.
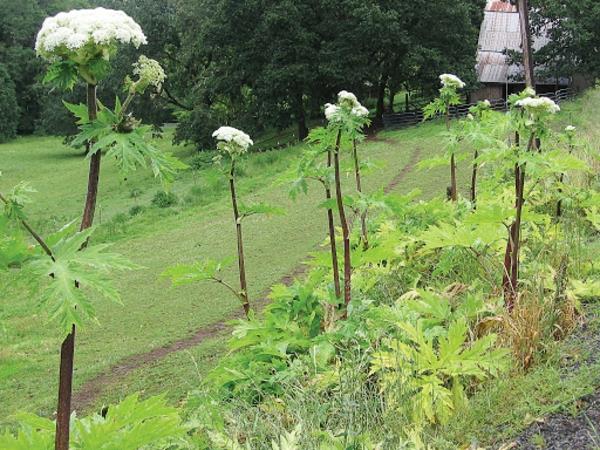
(429, 288)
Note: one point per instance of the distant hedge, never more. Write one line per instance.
(9, 110)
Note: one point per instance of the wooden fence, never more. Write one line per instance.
(405, 119)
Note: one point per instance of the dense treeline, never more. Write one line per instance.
(264, 64)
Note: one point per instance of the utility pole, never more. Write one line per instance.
(526, 42)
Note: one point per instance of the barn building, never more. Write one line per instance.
(500, 32)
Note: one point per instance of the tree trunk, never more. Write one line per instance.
(332, 243)
(363, 215)
(302, 128)
(240, 242)
(378, 120)
(67, 349)
(343, 223)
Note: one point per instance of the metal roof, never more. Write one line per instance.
(500, 6)
(500, 31)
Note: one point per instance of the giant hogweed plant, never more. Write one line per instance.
(66, 271)
(449, 96)
(346, 117)
(79, 45)
(232, 144)
(312, 168)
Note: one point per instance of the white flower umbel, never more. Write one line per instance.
(570, 129)
(360, 111)
(539, 105)
(347, 99)
(331, 111)
(68, 34)
(232, 141)
(486, 103)
(348, 105)
(449, 80)
(150, 73)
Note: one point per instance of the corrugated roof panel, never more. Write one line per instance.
(500, 6)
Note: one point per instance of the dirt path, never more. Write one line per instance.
(91, 390)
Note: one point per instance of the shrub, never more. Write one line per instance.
(136, 210)
(164, 199)
(202, 160)
(9, 110)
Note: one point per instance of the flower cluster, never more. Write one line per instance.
(538, 105)
(348, 104)
(570, 129)
(232, 140)
(451, 81)
(150, 73)
(97, 29)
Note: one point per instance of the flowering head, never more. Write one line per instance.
(149, 73)
(451, 81)
(532, 112)
(348, 110)
(232, 141)
(86, 36)
(570, 129)
(538, 105)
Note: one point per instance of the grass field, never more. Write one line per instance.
(199, 226)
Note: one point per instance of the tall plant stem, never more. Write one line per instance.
(513, 248)
(453, 188)
(67, 349)
(33, 233)
(343, 223)
(561, 180)
(511, 257)
(240, 242)
(363, 216)
(332, 242)
(474, 180)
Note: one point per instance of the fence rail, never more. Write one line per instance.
(405, 119)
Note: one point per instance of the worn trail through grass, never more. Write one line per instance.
(89, 392)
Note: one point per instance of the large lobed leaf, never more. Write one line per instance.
(74, 272)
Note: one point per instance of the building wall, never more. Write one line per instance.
(487, 92)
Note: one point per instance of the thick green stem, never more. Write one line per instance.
(343, 223)
(332, 242)
(240, 242)
(453, 188)
(363, 216)
(67, 350)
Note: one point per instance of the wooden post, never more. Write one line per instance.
(526, 42)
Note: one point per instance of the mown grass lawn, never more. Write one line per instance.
(199, 226)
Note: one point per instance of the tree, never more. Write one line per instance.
(9, 109)
(571, 27)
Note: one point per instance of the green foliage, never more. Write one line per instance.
(164, 199)
(570, 46)
(70, 272)
(131, 424)
(263, 349)
(9, 108)
(123, 139)
(427, 375)
(62, 75)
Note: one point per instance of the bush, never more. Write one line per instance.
(202, 160)
(163, 199)
(9, 110)
(135, 210)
